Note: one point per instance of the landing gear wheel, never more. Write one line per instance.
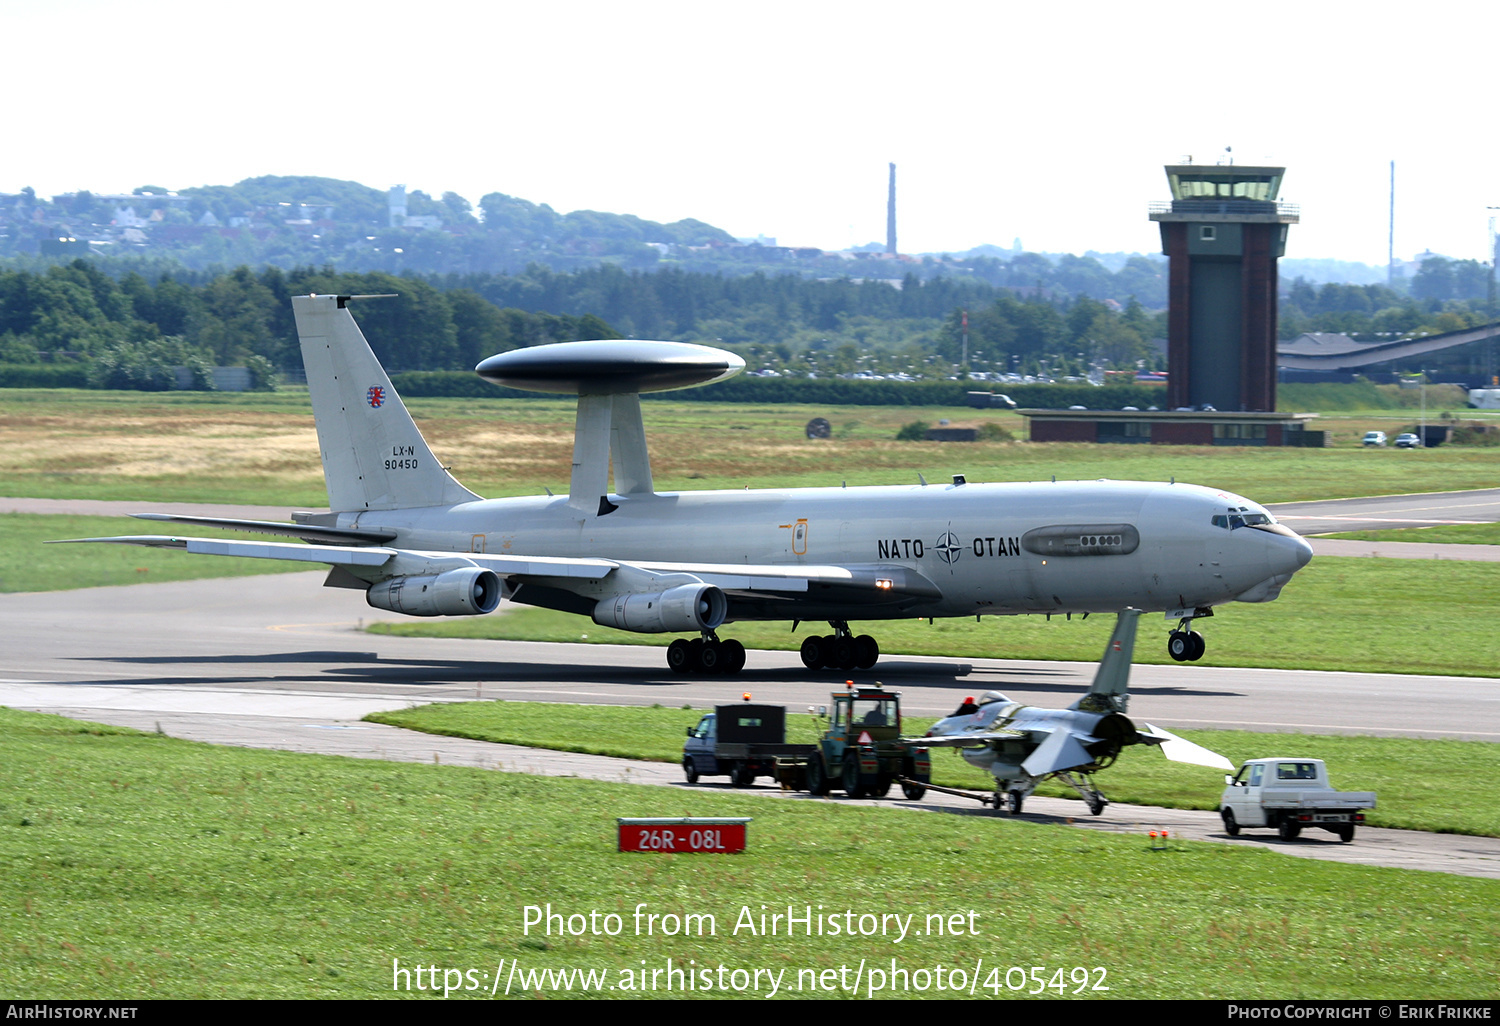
(1179, 647)
(689, 770)
(1014, 800)
(1231, 825)
(1096, 804)
(853, 785)
(731, 657)
(708, 656)
(742, 775)
(812, 652)
(1198, 646)
(680, 656)
(866, 651)
(817, 779)
(1289, 829)
(1346, 833)
(913, 792)
(840, 652)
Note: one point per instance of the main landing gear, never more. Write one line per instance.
(706, 655)
(1184, 644)
(840, 649)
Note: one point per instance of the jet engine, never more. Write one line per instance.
(687, 607)
(469, 591)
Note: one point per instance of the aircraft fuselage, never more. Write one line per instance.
(1051, 547)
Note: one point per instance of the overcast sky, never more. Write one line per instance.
(1047, 122)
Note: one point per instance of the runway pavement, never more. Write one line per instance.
(1385, 512)
(279, 662)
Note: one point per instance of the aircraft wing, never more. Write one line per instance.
(963, 740)
(370, 555)
(1180, 749)
(1061, 751)
(881, 583)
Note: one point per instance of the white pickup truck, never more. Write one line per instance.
(1290, 794)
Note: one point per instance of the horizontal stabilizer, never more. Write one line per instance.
(1060, 751)
(307, 532)
(1180, 749)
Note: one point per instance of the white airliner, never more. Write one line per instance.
(403, 530)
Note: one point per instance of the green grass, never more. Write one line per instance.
(260, 449)
(1324, 620)
(1423, 784)
(27, 563)
(138, 866)
(1447, 534)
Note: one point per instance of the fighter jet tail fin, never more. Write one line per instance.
(373, 455)
(1111, 680)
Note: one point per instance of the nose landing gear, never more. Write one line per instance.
(1184, 644)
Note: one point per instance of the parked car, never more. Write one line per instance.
(1375, 438)
(1407, 440)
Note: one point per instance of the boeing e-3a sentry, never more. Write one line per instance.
(404, 531)
(1020, 746)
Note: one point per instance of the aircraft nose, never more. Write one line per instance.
(1289, 553)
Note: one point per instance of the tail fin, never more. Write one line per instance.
(373, 455)
(1113, 676)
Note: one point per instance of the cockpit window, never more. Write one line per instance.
(1242, 517)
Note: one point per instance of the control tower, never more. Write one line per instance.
(1222, 233)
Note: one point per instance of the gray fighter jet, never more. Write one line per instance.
(1021, 746)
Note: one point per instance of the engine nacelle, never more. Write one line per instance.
(687, 607)
(466, 592)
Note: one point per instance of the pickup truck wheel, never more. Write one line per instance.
(817, 779)
(1289, 829)
(742, 775)
(1231, 825)
(689, 770)
(1346, 833)
(852, 785)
